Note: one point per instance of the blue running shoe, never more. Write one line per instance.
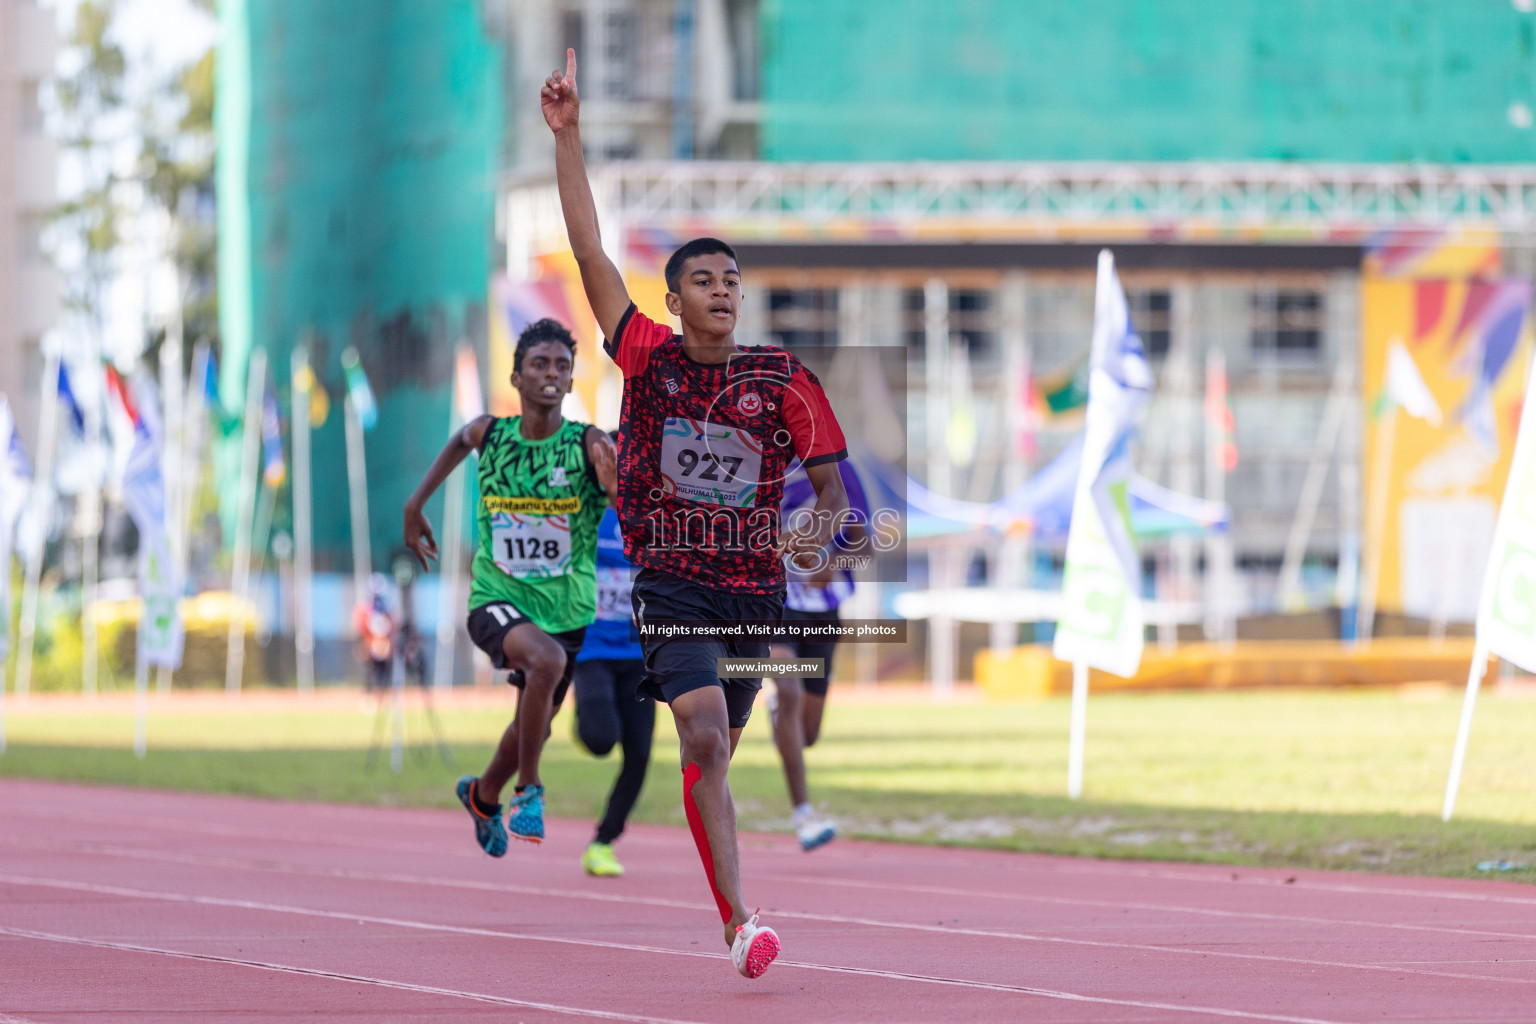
(525, 814)
(490, 833)
(814, 832)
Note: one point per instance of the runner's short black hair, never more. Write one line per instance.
(688, 250)
(547, 329)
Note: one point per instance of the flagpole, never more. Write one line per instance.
(941, 558)
(1381, 471)
(170, 458)
(90, 554)
(234, 665)
(465, 403)
(357, 479)
(1102, 622)
(1013, 550)
(448, 583)
(5, 610)
(194, 423)
(42, 495)
(140, 700)
(1218, 548)
(396, 708)
(1348, 579)
(7, 533)
(261, 537)
(1475, 674)
(1328, 434)
(6, 530)
(303, 535)
(1078, 729)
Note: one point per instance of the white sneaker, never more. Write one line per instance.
(755, 947)
(814, 832)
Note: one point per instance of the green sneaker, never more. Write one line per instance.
(600, 861)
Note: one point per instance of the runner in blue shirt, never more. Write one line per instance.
(609, 707)
(796, 705)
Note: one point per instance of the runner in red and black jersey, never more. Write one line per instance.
(706, 434)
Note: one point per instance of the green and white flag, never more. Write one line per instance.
(1101, 622)
(1506, 611)
(160, 625)
(1506, 615)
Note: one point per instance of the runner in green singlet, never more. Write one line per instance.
(544, 483)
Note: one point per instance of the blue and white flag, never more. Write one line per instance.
(68, 403)
(1101, 622)
(160, 626)
(15, 487)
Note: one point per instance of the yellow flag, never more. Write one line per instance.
(319, 401)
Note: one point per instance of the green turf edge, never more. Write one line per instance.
(1376, 843)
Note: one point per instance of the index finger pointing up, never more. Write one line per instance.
(570, 64)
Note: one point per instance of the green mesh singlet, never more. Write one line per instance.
(540, 506)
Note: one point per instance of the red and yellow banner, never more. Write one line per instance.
(1467, 329)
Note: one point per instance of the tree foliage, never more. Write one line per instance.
(177, 161)
(90, 99)
(172, 128)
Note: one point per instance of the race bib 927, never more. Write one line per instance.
(531, 547)
(711, 463)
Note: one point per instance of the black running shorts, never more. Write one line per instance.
(490, 623)
(814, 648)
(673, 666)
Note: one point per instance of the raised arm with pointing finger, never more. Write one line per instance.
(603, 283)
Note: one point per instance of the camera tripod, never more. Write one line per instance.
(399, 727)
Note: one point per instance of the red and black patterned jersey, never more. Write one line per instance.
(703, 452)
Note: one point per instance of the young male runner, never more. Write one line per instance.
(796, 704)
(799, 702)
(706, 433)
(544, 482)
(609, 706)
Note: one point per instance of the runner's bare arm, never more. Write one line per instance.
(418, 531)
(605, 462)
(602, 281)
(804, 543)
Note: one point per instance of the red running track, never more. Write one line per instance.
(127, 906)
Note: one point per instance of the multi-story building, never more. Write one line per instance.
(29, 293)
(1242, 160)
(934, 177)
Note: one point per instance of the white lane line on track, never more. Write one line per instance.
(1059, 866)
(810, 880)
(1300, 885)
(212, 901)
(1072, 997)
(1163, 908)
(359, 979)
(654, 901)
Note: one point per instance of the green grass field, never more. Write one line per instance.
(1306, 779)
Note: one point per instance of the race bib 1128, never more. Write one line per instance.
(531, 547)
(711, 463)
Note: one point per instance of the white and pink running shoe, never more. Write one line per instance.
(755, 947)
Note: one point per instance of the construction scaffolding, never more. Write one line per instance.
(1249, 202)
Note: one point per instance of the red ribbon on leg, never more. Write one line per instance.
(691, 775)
